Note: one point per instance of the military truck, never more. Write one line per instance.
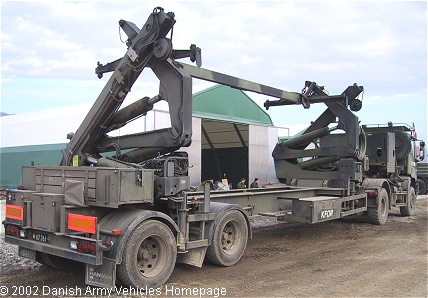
(123, 206)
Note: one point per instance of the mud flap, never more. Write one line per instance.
(102, 275)
(194, 257)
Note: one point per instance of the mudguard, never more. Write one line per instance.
(374, 184)
(126, 220)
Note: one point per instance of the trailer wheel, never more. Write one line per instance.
(378, 215)
(229, 239)
(403, 145)
(149, 255)
(56, 262)
(410, 209)
(422, 186)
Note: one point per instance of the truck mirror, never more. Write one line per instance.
(422, 150)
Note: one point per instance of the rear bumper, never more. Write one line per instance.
(54, 250)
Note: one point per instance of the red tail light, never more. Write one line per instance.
(86, 246)
(93, 248)
(80, 248)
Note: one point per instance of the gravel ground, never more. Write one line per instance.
(10, 259)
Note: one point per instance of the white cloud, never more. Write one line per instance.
(381, 45)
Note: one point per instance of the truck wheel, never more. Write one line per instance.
(378, 215)
(403, 145)
(410, 209)
(149, 255)
(422, 186)
(229, 239)
(55, 262)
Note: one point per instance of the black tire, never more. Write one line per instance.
(55, 262)
(119, 283)
(229, 239)
(422, 186)
(403, 145)
(410, 209)
(378, 215)
(149, 255)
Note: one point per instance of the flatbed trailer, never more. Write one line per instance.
(50, 228)
(131, 216)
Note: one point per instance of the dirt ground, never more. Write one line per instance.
(341, 258)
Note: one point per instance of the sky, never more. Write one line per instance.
(49, 51)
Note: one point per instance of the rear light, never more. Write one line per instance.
(372, 194)
(80, 248)
(116, 232)
(74, 245)
(23, 233)
(12, 231)
(86, 246)
(93, 248)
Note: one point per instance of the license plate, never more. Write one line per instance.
(327, 213)
(40, 237)
(27, 253)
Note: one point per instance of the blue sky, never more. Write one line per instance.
(49, 51)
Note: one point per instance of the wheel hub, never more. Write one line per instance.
(149, 257)
(229, 239)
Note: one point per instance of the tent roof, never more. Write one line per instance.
(228, 104)
(51, 126)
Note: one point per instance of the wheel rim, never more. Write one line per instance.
(151, 256)
(230, 237)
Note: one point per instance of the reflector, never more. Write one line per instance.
(82, 223)
(14, 212)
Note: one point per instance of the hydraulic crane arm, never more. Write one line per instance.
(241, 84)
(335, 157)
(146, 46)
(176, 89)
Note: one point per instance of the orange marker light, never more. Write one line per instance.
(116, 232)
(14, 212)
(82, 223)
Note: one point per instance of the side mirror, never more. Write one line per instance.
(420, 152)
